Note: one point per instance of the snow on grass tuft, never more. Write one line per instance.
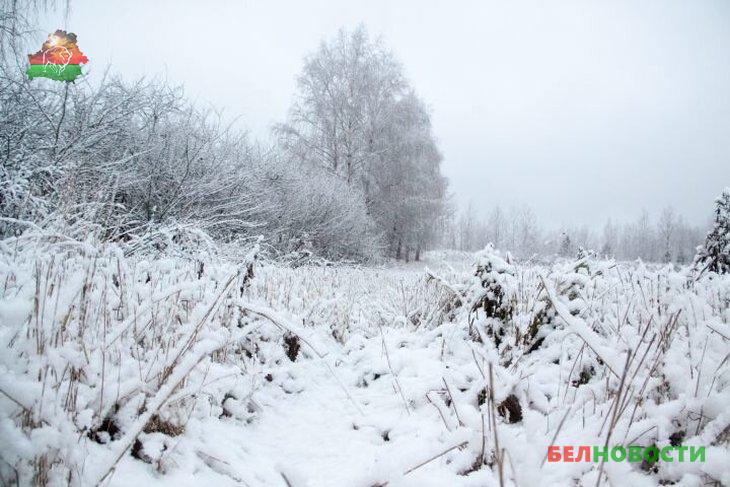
(179, 370)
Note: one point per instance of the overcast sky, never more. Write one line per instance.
(581, 109)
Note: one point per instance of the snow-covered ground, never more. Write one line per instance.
(233, 371)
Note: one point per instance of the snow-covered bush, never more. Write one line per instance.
(604, 334)
(131, 158)
(496, 276)
(316, 211)
(714, 255)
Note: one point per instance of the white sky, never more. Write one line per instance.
(582, 109)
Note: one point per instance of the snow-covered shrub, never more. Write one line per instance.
(314, 210)
(496, 277)
(605, 333)
(128, 158)
(714, 255)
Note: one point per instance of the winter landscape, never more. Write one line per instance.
(184, 301)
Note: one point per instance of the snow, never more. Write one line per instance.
(389, 384)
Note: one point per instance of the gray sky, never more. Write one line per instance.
(581, 109)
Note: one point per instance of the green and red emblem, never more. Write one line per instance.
(59, 58)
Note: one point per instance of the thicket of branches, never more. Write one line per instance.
(128, 160)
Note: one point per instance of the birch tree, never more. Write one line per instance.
(356, 117)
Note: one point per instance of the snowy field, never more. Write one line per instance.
(458, 370)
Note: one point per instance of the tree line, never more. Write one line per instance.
(352, 173)
(667, 238)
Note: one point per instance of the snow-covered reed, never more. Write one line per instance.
(117, 369)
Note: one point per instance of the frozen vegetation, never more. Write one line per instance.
(182, 305)
(197, 370)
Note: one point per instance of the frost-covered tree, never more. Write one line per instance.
(566, 246)
(666, 228)
(609, 239)
(471, 231)
(529, 233)
(128, 160)
(644, 237)
(345, 99)
(356, 117)
(496, 226)
(714, 255)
